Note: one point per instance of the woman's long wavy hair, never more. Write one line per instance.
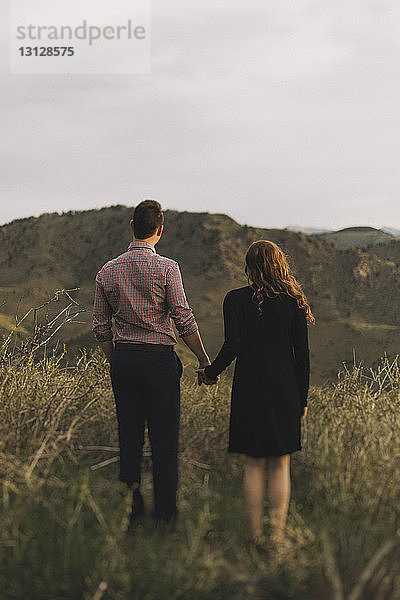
(268, 273)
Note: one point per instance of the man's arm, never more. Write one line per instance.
(183, 317)
(195, 344)
(102, 320)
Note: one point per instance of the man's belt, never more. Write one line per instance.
(143, 346)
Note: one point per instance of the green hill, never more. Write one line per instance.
(357, 237)
(354, 294)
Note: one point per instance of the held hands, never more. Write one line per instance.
(202, 377)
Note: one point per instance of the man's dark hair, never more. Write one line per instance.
(147, 218)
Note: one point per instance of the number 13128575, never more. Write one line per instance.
(47, 51)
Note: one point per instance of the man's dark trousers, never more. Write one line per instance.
(146, 387)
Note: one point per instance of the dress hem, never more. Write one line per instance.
(263, 454)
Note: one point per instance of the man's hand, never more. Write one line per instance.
(107, 348)
(303, 416)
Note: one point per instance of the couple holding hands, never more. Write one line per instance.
(265, 331)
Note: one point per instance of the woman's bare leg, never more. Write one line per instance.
(278, 468)
(254, 490)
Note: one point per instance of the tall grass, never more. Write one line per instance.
(64, 516)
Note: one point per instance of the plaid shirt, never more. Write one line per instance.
(142, 291)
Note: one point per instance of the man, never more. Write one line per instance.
(142, 291)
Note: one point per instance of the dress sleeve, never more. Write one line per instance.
(230, 347)
(301, 354)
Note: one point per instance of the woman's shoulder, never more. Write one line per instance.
(245, 294)
(238, 293)
(285, 297)
(289, 301)
(293, 309)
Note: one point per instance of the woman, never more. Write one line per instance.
(266, 330)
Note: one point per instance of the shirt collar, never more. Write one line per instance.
(140, 244)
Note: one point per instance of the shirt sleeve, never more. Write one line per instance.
(102, 314)
(301, 354)
(230, 347)
(181, 313)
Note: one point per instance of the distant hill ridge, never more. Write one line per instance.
(358, 228)
(358, 236)
(354, 294)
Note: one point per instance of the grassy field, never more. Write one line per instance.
(64, 516)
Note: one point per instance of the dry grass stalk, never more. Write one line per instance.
(332, 570)
(371, 567)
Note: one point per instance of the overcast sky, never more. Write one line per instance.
(274, 112)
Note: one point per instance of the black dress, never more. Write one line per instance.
(271, 379)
